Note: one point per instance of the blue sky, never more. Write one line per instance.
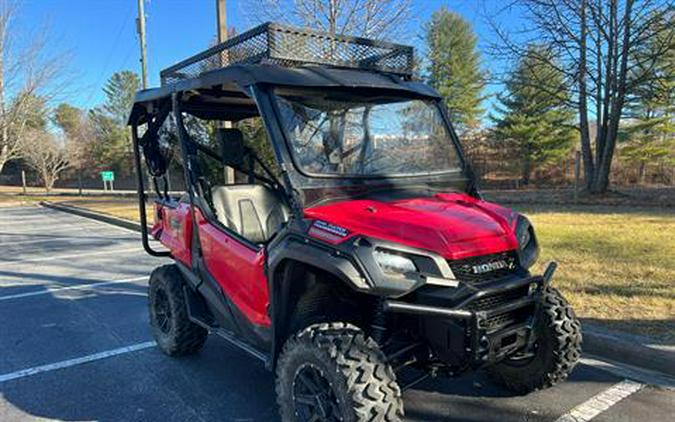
(101, 36)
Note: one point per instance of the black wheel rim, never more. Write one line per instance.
(313, 396)
(162, 311)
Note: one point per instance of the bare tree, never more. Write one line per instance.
(375, 19)
(366, 18)
(593, 43)
(26, 72)
(49, 155)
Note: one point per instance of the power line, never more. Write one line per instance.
(109, 56)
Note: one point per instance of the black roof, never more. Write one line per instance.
(280, 55)
(233, 81)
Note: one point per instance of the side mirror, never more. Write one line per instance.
(232, 148)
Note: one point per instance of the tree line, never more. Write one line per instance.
(590, 74)
(593, 75)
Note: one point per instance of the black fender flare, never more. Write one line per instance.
(291, 254)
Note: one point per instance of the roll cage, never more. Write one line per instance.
(230, 83)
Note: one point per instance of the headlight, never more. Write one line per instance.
(393, 263)
(524, 237)
(528, 249)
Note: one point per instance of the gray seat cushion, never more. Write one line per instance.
(254, 211)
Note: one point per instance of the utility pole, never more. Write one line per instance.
(221, 28)
(221, 24)
(140, 28)
(221, 15)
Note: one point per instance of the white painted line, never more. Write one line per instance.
(74, 362)
(73, 287)
(52, 258)
(645, 376)
(601, 402)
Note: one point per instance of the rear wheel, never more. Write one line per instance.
(556, 351)
(171, 327)
(333, 372)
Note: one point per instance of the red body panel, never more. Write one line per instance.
(239, 270)
(454, 226)
(173, 229)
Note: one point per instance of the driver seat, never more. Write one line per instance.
(253, 211)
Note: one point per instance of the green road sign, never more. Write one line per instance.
(108, 176)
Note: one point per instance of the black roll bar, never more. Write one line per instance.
(142, 197)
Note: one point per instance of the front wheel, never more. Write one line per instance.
(556, 350)
(334, 372)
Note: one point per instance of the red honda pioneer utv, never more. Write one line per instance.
(353, 241)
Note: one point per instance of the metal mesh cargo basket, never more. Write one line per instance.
(288, 46)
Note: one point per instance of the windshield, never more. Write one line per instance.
(364, 137)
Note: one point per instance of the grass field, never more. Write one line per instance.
(616, 264)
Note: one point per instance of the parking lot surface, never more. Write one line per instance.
(75, 346)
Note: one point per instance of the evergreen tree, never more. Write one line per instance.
(112, 149)
(119, 94)
(454, 67)
(535, 115)
(68, 119)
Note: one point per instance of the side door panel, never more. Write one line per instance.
(238, 269)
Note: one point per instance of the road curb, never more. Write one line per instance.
(618, 347)
(105, 218)
(628, 349)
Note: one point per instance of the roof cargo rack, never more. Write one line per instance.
(288, 46)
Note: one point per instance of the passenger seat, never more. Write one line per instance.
(254, 211)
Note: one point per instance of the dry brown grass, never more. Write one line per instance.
(616, 265)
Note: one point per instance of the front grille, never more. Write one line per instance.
(500, 320)
(476, 269)
(498, 299)
(507, 318)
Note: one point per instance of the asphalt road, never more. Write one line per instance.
(75, 346)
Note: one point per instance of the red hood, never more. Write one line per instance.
(455, 226)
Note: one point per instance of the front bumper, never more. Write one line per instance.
(487, 326)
